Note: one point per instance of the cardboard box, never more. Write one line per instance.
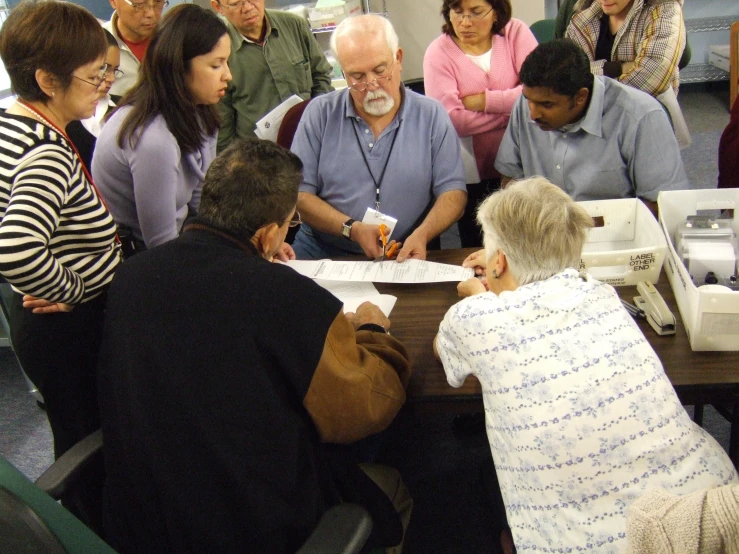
(710, 313)
(628, 248)
(718, 56)
(331, 13)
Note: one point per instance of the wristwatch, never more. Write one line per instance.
(346, 229)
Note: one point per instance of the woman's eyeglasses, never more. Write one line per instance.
(471, 17)
(156, 5)
(105, 71)
(117, 73)
(295, 219)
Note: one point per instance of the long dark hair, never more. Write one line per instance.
(185, 31)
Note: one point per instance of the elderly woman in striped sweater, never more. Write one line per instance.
(472, 69)
(57, 240)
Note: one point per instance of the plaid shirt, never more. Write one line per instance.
(652, 36)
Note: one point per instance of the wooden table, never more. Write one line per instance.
(698, 377)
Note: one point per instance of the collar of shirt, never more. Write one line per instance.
(238, 40)
(593, 121)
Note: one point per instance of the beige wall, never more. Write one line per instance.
(418, 22)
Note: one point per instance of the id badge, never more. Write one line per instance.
(374, 217)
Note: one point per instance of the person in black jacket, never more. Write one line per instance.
(229, 385)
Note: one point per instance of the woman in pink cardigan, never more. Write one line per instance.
(472, 69)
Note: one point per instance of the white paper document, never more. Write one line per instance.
(268, 126)
(410, 271)
(354, 294)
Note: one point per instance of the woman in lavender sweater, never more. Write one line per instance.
(472, 69)
(153, 153)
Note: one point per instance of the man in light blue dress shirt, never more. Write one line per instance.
(372, 145)
(591, 136)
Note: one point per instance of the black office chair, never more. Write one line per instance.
(30, 518)
(31, 521)
(416, 85)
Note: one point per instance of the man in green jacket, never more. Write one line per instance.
(273, 56)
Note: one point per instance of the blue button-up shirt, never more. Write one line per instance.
(624, 147)
(424, 162)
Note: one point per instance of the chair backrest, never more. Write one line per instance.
(543, 30)
(564, 14)
(687, 54)
(734, 63)
(289, 124)
(29, 516)
(416, 85)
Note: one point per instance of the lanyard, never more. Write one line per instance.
(384, 167)
(48, 123)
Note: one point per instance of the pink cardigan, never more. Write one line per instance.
(449, 75)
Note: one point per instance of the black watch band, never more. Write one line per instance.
(374, 327)
(346, 229)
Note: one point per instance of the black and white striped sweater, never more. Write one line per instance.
(57, 238)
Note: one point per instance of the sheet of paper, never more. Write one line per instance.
(347, 289)
(410, 271)
(385, 302)
(268, 126)
(352, 294)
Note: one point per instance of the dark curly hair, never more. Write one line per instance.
(502, 9)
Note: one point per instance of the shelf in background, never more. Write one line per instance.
(706, 24)
(702, 73)
(321, 30)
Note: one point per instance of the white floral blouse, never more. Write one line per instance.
(580, 415)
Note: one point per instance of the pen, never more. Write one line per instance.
(633, 310)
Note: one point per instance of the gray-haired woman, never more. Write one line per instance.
(580, 416)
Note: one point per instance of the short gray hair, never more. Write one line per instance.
(368, 23)
(252, 183)
(539, 228)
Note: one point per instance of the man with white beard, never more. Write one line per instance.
(375, 153)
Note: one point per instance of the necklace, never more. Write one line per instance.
(36, 114)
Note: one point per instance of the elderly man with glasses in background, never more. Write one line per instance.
(375, 154)
(132, 25)
(274, 55)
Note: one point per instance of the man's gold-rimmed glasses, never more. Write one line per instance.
(140, 7)
(378, 81)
